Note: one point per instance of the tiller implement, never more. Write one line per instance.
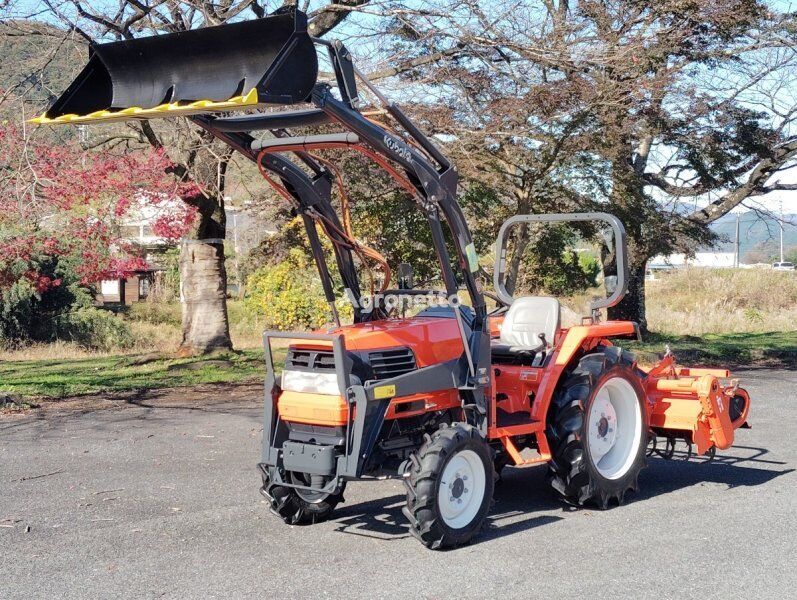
(443, 399)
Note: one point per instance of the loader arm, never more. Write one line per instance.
(204, 73)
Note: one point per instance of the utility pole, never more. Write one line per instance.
(781, 231)
(736, 244)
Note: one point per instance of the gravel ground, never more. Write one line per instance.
(157, 497)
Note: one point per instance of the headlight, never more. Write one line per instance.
(309, 381)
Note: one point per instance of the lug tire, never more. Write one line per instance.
(500, 462)
(452, 445)
(572, 471)
(294, 510)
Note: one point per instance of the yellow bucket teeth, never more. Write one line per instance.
(248, 100)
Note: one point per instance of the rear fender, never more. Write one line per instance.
(575, 342)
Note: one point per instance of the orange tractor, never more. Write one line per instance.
(447, 397)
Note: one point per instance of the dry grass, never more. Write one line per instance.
(156, 328)
(690, 302)
(54, 351)
(707, 301)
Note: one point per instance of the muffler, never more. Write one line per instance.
(265, 61)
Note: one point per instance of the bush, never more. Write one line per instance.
(289, 295)
(62, 312)
(27, 317)
(17, 315)
(94, 329)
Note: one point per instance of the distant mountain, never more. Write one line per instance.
(755, 233)
(39, 61)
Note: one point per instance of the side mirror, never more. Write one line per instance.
(610, 283)
(405, 278)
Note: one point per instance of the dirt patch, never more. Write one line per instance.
(186, 397)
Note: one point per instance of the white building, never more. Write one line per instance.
(715, 260)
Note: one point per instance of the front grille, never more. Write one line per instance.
(384, 363)
(320, 360)
(391, 363)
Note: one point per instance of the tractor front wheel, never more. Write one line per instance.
(597, 430)
(300, 507)
(449, 487)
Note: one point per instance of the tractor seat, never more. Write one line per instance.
(526, 319)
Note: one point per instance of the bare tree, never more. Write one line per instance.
(629, 107)
(196, 156)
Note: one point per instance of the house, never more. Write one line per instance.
(244, 231)
(137, 286)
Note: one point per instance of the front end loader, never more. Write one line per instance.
(447, 397)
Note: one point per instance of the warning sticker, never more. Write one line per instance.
(384, 391)
(473, 258)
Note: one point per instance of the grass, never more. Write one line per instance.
(773, 349)
(708, 317)
(720, 301)
(60, 378)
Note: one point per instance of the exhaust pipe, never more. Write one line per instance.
(266, 61)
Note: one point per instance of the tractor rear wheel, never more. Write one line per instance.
(300, 507)
(597, 430)
(449, 484)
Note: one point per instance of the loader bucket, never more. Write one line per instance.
(227, 67)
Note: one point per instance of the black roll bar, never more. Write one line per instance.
(620, 245)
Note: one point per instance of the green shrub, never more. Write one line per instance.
(289, 295)
(753, 315)
(62, 312)
(28, 315)
(17, 314)
(157, 312)
(94, 329)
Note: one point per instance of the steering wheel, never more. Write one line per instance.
(502, 305)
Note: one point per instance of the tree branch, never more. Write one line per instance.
(415, 63)
(326, 19)
(754, 185)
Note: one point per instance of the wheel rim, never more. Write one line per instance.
(306, 495)
(614, 428)
(461, 489)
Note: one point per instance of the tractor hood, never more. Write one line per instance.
(432, 339)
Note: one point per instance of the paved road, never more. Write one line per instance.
(160, 500)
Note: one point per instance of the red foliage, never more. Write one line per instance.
(59, 200)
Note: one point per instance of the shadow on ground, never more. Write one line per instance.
(523, 494)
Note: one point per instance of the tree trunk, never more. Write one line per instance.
(203, 294)
(203, 282)
(632, 306)
(513, 268)
(630, 204)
